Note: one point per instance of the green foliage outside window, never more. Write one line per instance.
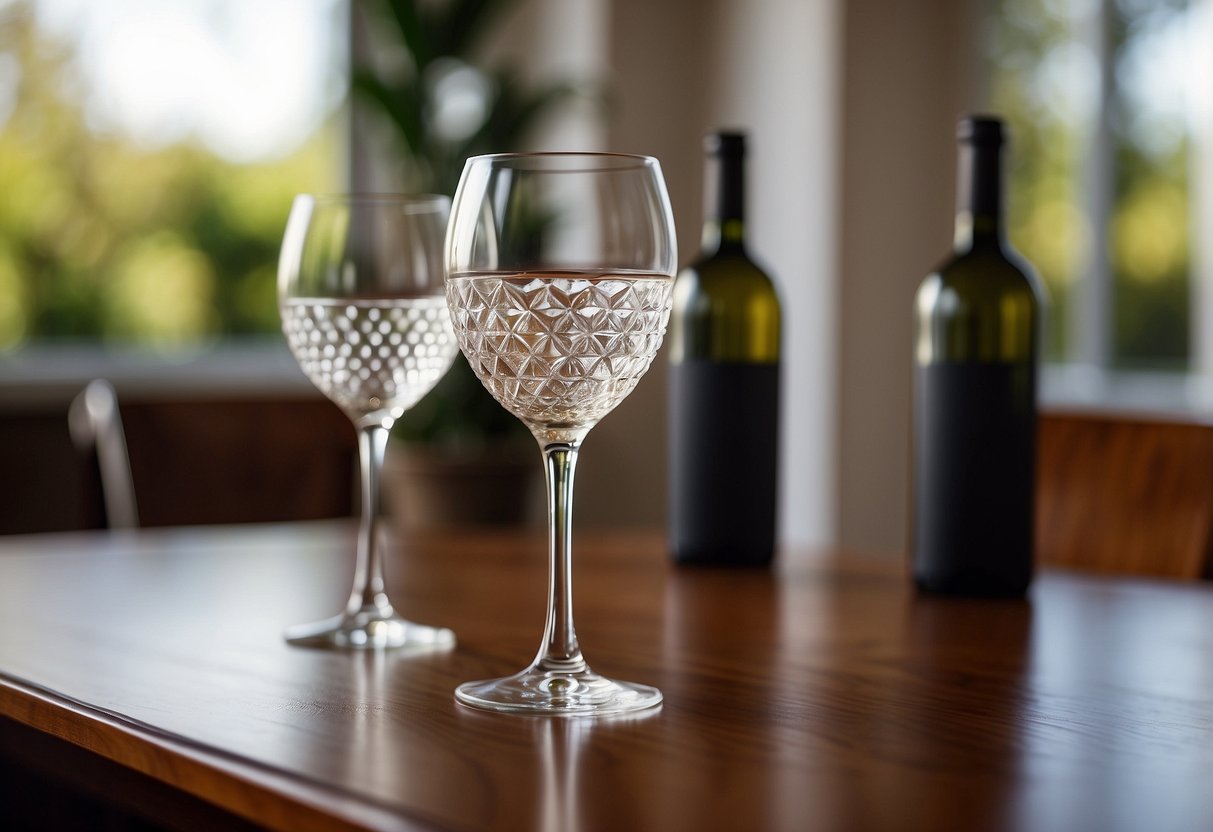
(103, 240)
(1045, 80)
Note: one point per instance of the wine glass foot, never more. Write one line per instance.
(368, 630)
(555, 693)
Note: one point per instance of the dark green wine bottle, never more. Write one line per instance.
(977, 330)
(724, 384)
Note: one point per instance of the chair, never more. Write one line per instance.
(205, 457)
(197, 459)
(96, 426)
(77, 457)
(1125, 494)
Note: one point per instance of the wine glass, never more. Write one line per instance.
(559, 278)
(360, 295)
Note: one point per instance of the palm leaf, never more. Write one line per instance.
(465, 23)
(414, 31)
(458, 407)
(513, 113)
(402, 105)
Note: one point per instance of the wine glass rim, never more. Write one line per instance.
(608, 160)
(411, 202)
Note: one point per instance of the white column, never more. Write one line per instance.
(680, 68)
(908, 75)
(1090, 320)
(1201, 184)
(561, 40)
(775, 73)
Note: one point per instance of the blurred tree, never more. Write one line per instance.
(100, 239)
(1044, 80)
(1045, 214)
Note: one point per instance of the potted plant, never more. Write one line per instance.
(458, 457)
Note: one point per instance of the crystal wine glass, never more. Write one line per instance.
(559, 279)
(360, 294)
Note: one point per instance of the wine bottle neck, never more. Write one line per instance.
(979, 196)
(718, 236)
(724, 198)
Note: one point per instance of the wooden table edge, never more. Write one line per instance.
(259, 793)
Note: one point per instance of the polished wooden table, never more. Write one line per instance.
(149, 669)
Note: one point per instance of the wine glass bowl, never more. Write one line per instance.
(370, 355)
(559, 279)
(360, 292)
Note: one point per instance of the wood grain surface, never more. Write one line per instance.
(1123, 494)
(825, 696)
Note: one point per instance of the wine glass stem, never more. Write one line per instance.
(368, 593)
(560, 651)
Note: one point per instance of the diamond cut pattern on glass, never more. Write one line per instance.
(560, 351)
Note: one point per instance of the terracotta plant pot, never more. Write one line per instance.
(427, 488)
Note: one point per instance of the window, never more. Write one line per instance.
(148, 155)
(1100, 97)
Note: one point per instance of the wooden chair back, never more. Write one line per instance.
(1126, 495)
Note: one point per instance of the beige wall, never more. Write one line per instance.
(656, 109)
(906, 79)
(679, 68)
(778, 76)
